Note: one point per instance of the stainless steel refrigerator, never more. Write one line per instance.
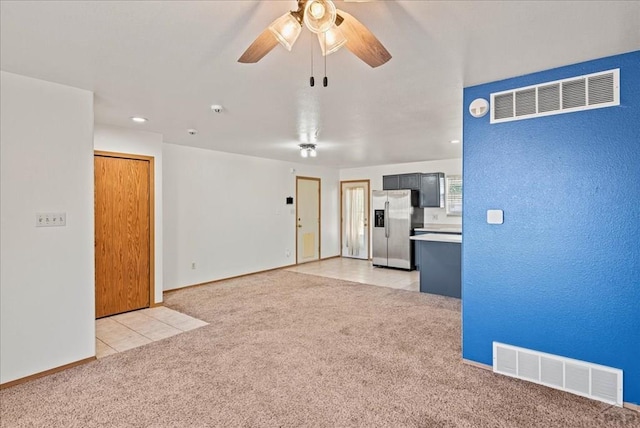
(395, 215)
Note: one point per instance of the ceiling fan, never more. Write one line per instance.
(335, 28)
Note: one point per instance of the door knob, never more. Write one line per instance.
(299, 225)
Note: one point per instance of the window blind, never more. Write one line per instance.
(454, 195)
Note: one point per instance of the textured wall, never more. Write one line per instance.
(562, 274)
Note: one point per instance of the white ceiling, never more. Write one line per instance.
(170, 60)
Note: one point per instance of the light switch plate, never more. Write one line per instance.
(51, 219)
(495, 216)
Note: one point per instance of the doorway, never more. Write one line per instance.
(354, 220)
(124, 219)
(307, 219)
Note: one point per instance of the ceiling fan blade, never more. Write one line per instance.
(261, 46)
(361, 42)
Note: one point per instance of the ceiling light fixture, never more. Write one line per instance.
(319, 16)
(331, 40)
(455, 141)
(308, 150)
(322, 18)
(287, 29)
(139, 119)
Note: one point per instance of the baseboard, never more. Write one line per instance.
(629, 406)
(45, 373)
(224, 279)
(239, 276)
(478, 365)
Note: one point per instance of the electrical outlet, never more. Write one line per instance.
(193, 265)
(287, 253)
(51, 219)
(434, 217)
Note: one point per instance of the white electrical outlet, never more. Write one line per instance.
(287, 253)
(434, 217)
(193, 265)
(51, 219)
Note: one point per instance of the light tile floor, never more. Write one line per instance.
(362, 271)
(122, 332)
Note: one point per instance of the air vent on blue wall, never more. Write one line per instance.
(586, 92)
(577, 377)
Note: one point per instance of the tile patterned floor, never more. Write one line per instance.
(132, 329)
(362, 271)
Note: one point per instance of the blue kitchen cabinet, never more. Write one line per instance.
(440, 268)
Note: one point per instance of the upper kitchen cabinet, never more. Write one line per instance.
(401, 181)
(410, 181)
(432, 190)
(390, 182)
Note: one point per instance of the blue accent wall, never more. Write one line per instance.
(562, 274)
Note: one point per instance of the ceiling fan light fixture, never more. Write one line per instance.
(331, 40)
(287, 29)
(319, 15)
(308, 150)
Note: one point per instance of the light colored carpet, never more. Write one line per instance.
(284, 349)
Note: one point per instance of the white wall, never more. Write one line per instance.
(122, 140)
(47, 306)
(227, 213)
(375, 173)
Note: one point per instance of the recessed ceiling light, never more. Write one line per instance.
(455, 141)
(138, 119)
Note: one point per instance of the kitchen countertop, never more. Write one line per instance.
(438, 237)
(442, 228)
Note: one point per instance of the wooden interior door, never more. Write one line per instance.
(122, 233)
(307, 219)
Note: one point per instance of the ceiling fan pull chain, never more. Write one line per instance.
(325, 81)
(312, 81)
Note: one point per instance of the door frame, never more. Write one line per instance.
(368, 213)
(298, 178)
(152, 222)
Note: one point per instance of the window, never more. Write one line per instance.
(454, 195)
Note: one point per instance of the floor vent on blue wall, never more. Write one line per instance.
(578, 377)
(585, 92)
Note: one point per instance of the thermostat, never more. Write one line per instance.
(495, 216)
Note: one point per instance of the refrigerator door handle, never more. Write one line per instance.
(386, 219)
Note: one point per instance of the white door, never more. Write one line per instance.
(307, 219)
(355, 219)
